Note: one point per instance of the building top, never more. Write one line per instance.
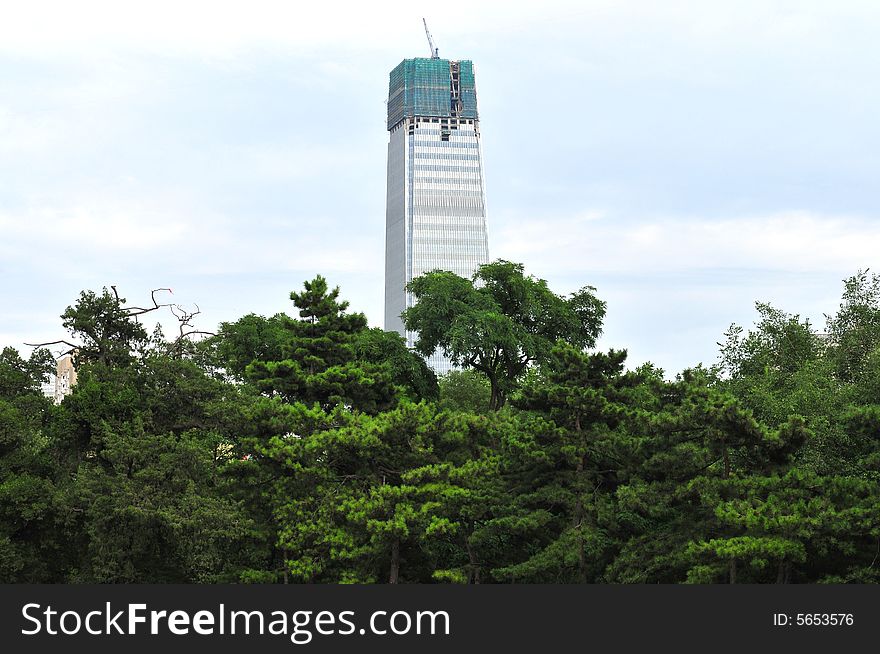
(438, 88)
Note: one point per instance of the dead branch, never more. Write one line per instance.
(72, 347)
(136, 311)
(184, 318)
(198, 331)
(68, 343)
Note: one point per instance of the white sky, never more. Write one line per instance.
(686, 158)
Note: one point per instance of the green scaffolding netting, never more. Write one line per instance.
(422, 87)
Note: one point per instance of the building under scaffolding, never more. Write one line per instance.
(436, 204)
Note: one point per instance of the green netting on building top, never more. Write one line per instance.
(423, 87)
(468, 89)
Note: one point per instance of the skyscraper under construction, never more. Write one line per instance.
(436, 203)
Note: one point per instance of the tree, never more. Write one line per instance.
(465, 390)
(154, 510)
(781, 368)
(324, 370)
(349, 516)
(585, 399)
(108, 333)
(111, 334)
(318, 363)
(780, 343)
(142, 441)
(854, 331)
(314, 449)
(30, 512)
(408, 370)
(250, 338)
(499, 322)
(459, 495)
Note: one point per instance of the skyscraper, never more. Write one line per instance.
(436, 205)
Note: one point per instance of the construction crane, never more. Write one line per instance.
(435, 52)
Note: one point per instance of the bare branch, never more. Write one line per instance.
(72, 347)
(136, 311)
(198, 331)
(69, 344)
(183, 316)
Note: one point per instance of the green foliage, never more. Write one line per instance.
(500, 322)
(584, 400)
(250, 338)
(408, 371)
(854, 332)
(465, 390)
(314, 449)
(30, 550)
(108, 333)
(151, 513)
(328, 356)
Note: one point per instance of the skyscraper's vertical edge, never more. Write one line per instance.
(436, 206)
(395, 233)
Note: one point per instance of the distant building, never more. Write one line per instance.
(48, 388)
(436, 204)
(65, 378)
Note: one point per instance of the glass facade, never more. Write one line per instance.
(436, 202)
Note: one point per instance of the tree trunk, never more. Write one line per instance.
(726, 461)
(579, 506)
(394, 576)
(496, 399)
(582, 558)
(784, 574)
(579, 517)
(733, 571)
(474, 576)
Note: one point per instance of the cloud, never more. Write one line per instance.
(794, 240)
(97, 228)
(220, 28)
(674, 283)
(273, 162)
(204, 27)
(232, 150)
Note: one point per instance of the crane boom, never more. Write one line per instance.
(435, 52)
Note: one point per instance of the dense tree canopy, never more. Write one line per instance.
(312, 448)
(500, 322)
